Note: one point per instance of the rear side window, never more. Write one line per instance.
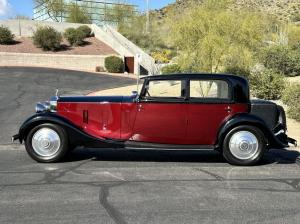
(209, 89)
(165, 89)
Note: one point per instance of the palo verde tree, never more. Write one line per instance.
(210, 37)
(54, 8)
(121, 14)
(78, 14)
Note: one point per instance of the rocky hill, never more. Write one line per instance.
(282, 9)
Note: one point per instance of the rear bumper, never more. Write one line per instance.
(283, 140)
(292, 141)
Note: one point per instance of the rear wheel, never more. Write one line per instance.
(244, 145)
(47, 143)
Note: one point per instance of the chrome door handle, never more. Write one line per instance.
(228, 109)
(141, 107)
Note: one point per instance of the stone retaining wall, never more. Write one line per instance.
(74, 62)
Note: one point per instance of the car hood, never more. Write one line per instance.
(109, 99)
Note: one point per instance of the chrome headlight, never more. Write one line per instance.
(42, 107)
(47, 106)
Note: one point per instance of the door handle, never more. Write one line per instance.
(228, 109)
(141, 107)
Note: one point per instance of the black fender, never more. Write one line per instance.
(249, 119)
(76, 136)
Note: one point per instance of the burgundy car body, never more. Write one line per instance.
(146, 121)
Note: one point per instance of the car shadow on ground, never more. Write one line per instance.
(275, 156)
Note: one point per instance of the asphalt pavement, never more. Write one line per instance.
(131, 186)
(21, 88)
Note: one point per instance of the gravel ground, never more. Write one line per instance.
(92, 47)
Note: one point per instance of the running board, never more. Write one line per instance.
(145, 145)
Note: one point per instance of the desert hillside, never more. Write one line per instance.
(282, 9)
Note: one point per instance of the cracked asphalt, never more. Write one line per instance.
(130, 186)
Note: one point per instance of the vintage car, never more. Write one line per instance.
(178, 111)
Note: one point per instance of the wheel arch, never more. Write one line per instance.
(75, 135)
(39, 119)
(241, 120)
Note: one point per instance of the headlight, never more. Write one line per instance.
(47, 106)
(42, 107)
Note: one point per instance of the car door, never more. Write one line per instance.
(162, 112)
(209, 106)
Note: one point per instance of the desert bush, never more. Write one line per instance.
(163, 56)
(282, 59)
(6, 37)
(114, 64)
(239, 71)
(75, 36)
(296, 17)
(86, 30)
(267, 84)
(47, 38)
(171, 69)
(291, 98)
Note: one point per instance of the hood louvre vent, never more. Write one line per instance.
(85, 116)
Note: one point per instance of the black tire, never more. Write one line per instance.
(234, 160)
(59, 154)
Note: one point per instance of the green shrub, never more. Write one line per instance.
(282, 59)
(74, 36)
(239, 71)
(86, 30)
(47, 38)
(171, 69)
(78, 14)
(291, 98)
(114, 64)
(6, 37)
(296, 17)
(267, 84)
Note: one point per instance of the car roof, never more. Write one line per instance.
(239, 84)
(195, 75)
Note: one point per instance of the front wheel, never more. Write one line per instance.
(47, 143)
(244, 145)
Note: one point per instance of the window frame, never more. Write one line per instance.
(144, 98)
(211, 100)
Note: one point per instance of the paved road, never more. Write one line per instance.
(22, 88)
(118, 186)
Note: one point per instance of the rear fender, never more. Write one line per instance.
(252, 120)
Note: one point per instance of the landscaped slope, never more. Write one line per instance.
(92, 46)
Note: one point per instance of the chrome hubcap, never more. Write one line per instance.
(243, 145)
(46, 142)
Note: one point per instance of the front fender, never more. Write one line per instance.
(77, 137)
(249, 119)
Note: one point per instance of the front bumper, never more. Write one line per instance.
(15, 138)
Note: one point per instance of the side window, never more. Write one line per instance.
(209, 89)
(165, 89)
